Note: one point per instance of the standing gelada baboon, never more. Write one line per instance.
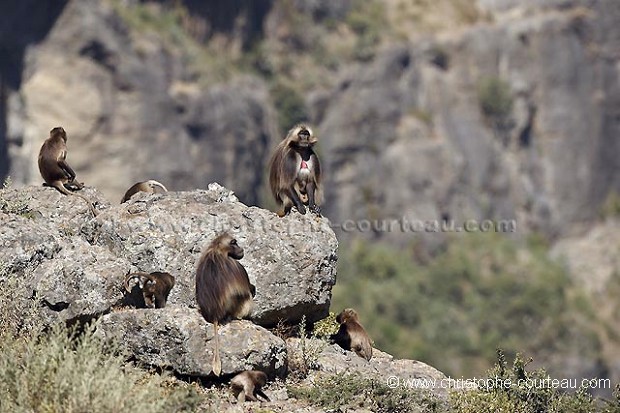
(145, 186)
(155, 287)
(248, 385)
(295, 172)
(223, 289)
(351, 335)
(54, 167)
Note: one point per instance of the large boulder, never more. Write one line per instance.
(179, 338)
(76, 263)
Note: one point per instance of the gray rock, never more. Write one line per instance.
(178, 338)
(76, 263)
(331, 358)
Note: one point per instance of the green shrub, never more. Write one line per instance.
(517, 390)
(368, 21)
(611, 206)
(343, 392)
(495, 98)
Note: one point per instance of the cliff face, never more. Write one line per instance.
(132, 111)
(410, 130)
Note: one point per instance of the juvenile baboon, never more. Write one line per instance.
(248, 385)
(295, 172)
(54, 167)
(145, 186)
(223, 289)
(351, 335)
(155, 287)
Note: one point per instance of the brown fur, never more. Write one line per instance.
(289, 186)
(145, 186)
(223, 289)
(54, 167)
(247, 385)
(155, 287)
(351, 335)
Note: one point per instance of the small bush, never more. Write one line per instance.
(517, 390)
(611, 206)
(63, 371)
(343, 392)
(326, 327)
(496, 103)
(306, 358)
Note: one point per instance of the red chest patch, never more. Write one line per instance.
(304, 165)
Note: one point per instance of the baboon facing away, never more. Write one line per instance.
(223, 289)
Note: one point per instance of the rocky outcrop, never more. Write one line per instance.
(179, 339)
(75, 265)
(326, 358)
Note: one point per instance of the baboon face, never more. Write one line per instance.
(303, 137)
(234, 250)
(346, 315)
(59, 131)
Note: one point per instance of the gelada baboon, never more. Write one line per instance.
(54, 167)
(295, 172)
(145, 186)
(351, 335)
(155, 287)
(223, 289)
(247, 385)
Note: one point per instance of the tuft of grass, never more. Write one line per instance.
(344, 392)
(307, 356)
(62, 371)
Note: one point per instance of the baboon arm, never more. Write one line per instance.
(263, 395)
(292, 194)
(67, 169)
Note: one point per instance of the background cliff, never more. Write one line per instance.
(449, 109)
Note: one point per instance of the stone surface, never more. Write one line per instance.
(77, 263)
(332, 359)
(178, 338)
